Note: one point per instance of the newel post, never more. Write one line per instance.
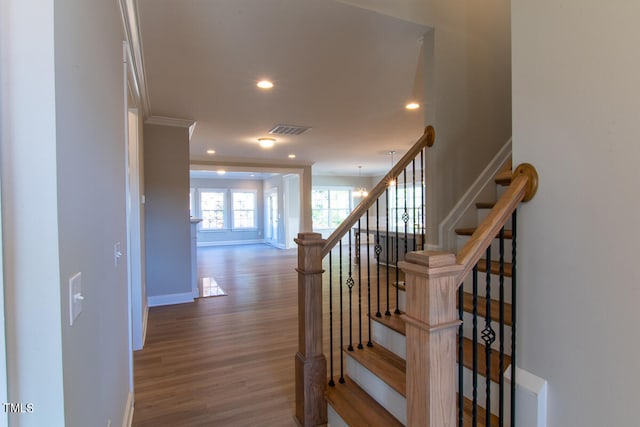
(310, 363)
(431, 325)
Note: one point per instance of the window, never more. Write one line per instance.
(212, 208)
(244, 209)
(329, 207)
(411, 198)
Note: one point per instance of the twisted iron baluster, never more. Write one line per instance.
(369, 343)
(341, 380)
(350, 284)
(359, 252)
(514, 218)
(378, 251)
(488, 336)
(331, 382)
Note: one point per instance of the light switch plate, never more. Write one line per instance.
(75, 297)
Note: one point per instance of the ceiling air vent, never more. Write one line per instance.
(289, 130)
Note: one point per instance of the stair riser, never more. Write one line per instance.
(387, 397)
(389, 339)
(467, 377)
(495, 286)
(334, 420)
(467, 328)
(495, 248)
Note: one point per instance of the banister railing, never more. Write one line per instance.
(355, 294)
(434, 327)
(426, 140)
(523, 187)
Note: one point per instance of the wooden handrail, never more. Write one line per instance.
(523, 187)
(426, 140)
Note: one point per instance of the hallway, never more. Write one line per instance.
(228, 360)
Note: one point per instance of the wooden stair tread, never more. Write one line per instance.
(386, 365)
(469, 231)
(467, 305)
(495, 267)
(485, 205)
(393, 322)
(357, 408)
(467, 359)
(504, 177)
(467, 421)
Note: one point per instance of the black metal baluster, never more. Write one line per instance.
(341, 380)
(359, 252)
(378, 251)
(474, 408)
(488, 336)
(413, 202)
(350, 283)
(387, 312)
(460, 357)
(423, 226)
(331, 382)
(369, 342)
(501, 325)
(514, 218)
(395, 224)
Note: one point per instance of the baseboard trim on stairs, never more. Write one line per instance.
(531, 395)
(446, 234)
(127, 420)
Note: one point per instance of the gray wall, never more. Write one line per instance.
(212, 237)
(63, 202)
(576, 106)
(167, 226)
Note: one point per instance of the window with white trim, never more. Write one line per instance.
(409, 205)
(330, 206)
(212, 209)
(244, 207)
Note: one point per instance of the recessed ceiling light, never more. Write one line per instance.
(266, 142)
(412, 106)
(222, 172)
(211, 151)
(265, 84)
(292, 156)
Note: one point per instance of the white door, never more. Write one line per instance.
(271, 223)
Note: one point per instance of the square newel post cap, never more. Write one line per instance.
(309, 238)
(430, 263)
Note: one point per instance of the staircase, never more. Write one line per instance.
(374, 392)
(406, 371)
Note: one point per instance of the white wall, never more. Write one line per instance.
(29, 211)
(576, 110)
(63, 209)
(467, 90)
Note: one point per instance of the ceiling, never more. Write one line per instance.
(344, 71)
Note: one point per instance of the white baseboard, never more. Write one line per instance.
(127, 420)
(531, 396)
(231, 242)
(276, 245)
(158, 300)
(145, 319)
(446, 235)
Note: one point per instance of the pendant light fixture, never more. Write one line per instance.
(361, 191)
(392, 182)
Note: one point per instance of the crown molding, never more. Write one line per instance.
(129, 15)
(172, 121)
